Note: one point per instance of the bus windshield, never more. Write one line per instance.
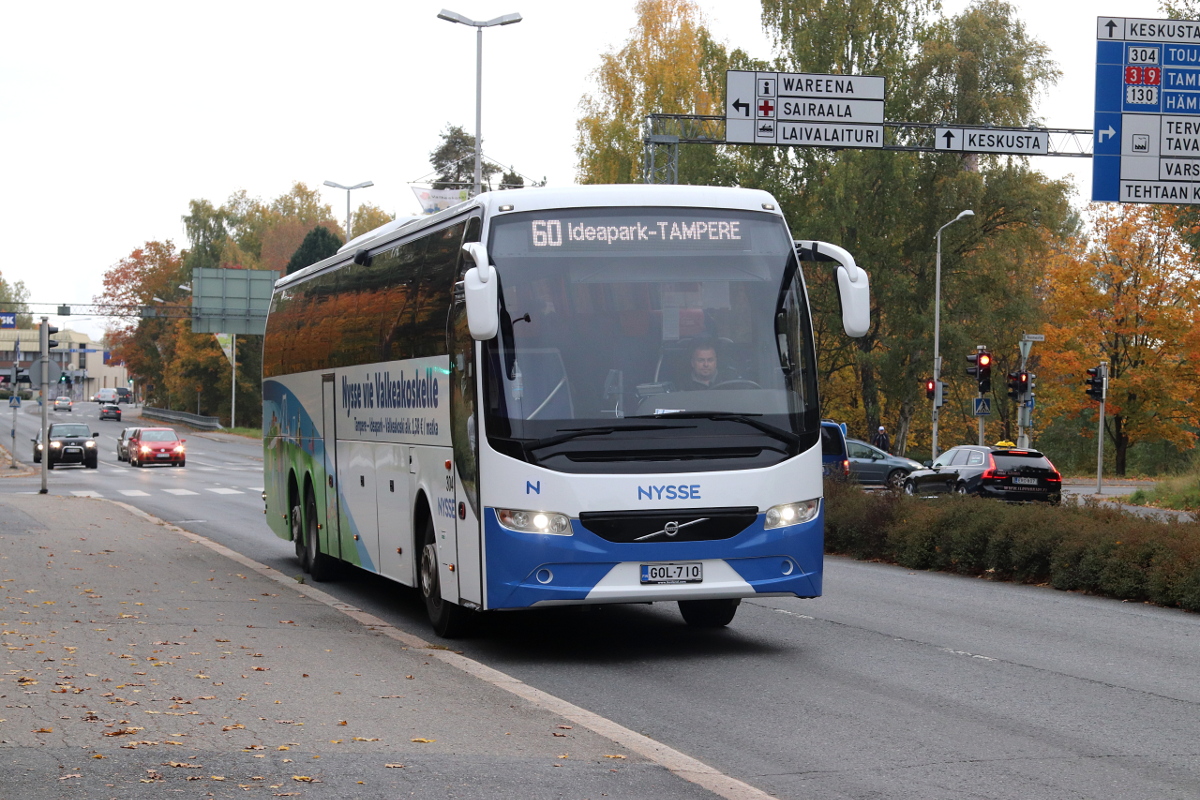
(674, 335)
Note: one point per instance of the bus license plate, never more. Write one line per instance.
(692, 572)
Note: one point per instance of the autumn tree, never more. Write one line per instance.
(1127, 295)
(670, 65)
(367, 218)
(147, 279)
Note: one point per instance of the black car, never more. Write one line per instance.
(1005, 473)
(70, 443)
(110, 411)
(871, 466)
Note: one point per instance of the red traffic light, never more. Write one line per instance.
(985, 360)
(930, 388)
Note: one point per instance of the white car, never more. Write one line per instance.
(61, 403)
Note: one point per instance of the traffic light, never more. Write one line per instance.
(930, 388)
(50, 342)
(1023, 382)
(1095, 383)
(1014, 385)
(981, 370)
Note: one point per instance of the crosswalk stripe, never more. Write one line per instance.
(87, 494)
(134, 493)
(180, 491)
(226, 491)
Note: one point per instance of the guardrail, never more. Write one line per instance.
(194, 420)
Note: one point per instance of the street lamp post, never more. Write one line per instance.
(507, 19)
(349, 189)
(937, 325)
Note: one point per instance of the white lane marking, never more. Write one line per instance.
(180, 491)
(225, 491)
(134, 493)
(678, 763)
(87, 494)
(254, 488)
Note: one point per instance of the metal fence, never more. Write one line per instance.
(194, 420)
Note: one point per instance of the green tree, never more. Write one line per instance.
(14, 297)
(884, 206)
(318, 245)
(454, 161)
(511, 180)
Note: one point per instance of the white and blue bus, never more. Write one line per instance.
(587, 395)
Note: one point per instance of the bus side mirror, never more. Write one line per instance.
(854, 289)
(481, 293)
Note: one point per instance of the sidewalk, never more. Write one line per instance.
(139, 658)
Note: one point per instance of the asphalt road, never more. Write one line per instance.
(895, 684)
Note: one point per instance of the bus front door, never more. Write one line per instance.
(464, 417)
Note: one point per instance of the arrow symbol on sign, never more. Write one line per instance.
(739, 105)
(949, 135)
(1107, 133)
(1112, 26)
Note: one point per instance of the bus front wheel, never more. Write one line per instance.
(449, 620)
(708, 613)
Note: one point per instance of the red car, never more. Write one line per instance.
(156, 446)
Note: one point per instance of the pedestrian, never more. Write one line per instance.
(881, 440)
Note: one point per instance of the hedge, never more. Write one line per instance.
(1090, 547)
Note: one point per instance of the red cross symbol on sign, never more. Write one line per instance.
(766, 108)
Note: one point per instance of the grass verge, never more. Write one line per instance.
(1181, 494)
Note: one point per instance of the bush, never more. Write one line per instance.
(1088, 547)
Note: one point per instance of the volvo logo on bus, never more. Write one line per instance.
(670, 529)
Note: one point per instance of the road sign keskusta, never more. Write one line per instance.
(1147, 117)
(804, 109)
(1012, 141)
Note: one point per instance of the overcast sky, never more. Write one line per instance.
(114, 115)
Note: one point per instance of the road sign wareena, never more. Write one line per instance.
(802, 109)
(1147, 130)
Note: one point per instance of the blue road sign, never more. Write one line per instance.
(1147, 117)
(983, 406)
(8, 319)
(14, 401)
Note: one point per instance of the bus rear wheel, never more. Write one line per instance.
(449, 620)
(297, 524)
(708, 613)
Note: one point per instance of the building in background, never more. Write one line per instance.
(85, 363)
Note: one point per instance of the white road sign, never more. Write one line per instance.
(1011, 141)
(804, 109)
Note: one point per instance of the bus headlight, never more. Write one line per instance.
(787, 514)
(534, 521)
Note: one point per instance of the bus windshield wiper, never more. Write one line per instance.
(566, 436)
(722, 416)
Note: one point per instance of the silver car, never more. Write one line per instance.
(871, 466)
(123, 443)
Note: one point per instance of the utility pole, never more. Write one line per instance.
(44, 378)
